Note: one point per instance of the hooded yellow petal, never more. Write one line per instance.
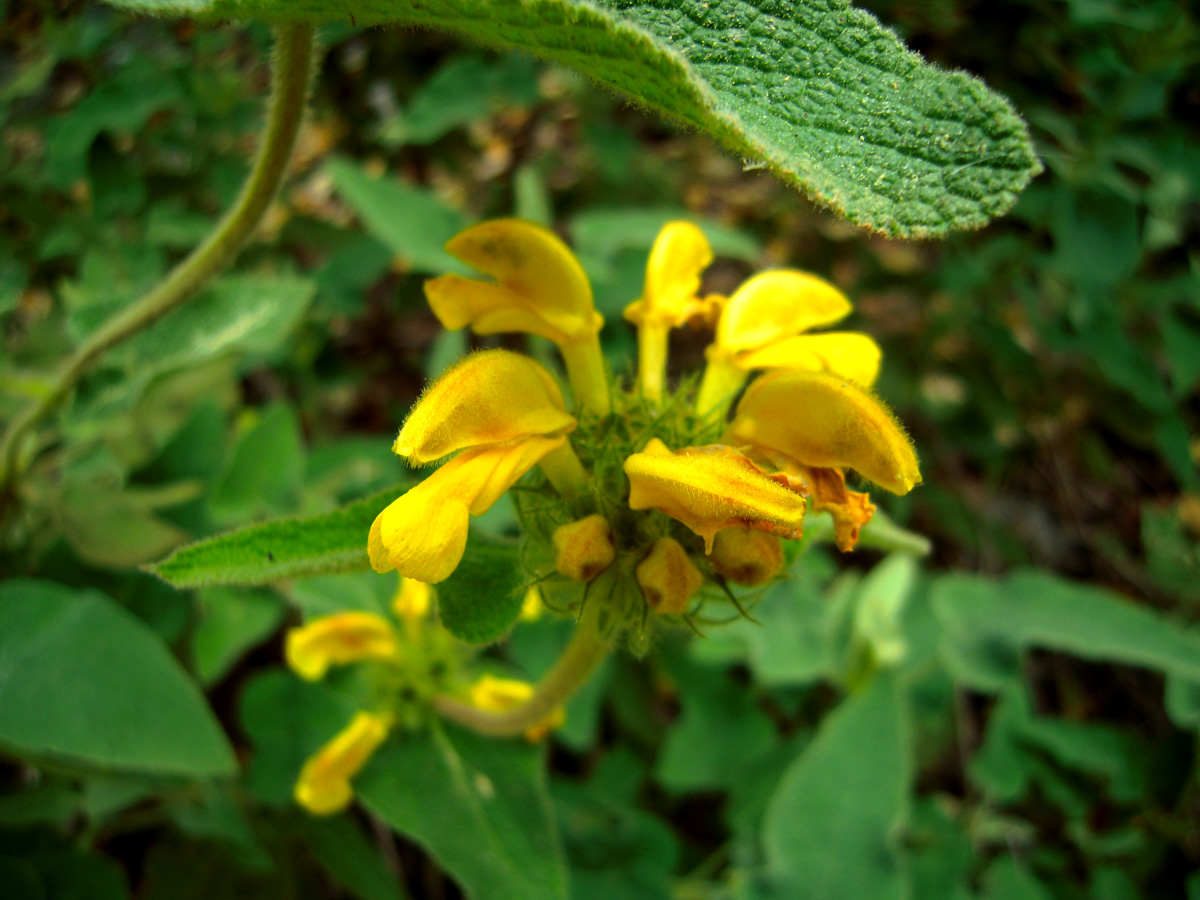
(821, 420)
(669, 298)
(538, 272)
(775, 305)
(334, 640)
(493, 397)
(844, 353)
(491, 309)
(710, 488)
(423, 533)
(324, 783)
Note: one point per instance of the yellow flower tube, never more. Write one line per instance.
(669, 299)
(423, 534)
(710, 488)
(539, 288)
(500, 694)
(762, 326)
(324, 784)
(819, 419)
(336, 640)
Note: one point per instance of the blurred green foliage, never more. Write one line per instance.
(1015, 717)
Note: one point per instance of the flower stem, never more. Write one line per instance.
(585, 369)
(721, 381)
(291, 75)
(564, 470)
(580, 658)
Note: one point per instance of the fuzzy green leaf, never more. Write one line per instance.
(283, 548)
(478, 805)
(481, 600)
(83, 679)
(818, 92)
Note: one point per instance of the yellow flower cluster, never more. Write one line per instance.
(794, 432)
(406, 660)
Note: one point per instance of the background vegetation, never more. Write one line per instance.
(1034, 732)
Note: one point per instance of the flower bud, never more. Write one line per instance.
(412, 600)
(585, 548)
(667, 577)
(746, 556)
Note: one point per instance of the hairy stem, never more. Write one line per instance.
(291, 75)
(579, 659)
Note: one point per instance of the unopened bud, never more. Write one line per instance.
(746, 556)
(667, 577)
(585, 548)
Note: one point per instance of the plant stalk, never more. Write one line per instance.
(290, 79)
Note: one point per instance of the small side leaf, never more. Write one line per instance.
(283, 548)
(481, 600)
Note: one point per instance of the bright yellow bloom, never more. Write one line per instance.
(710, 488)
(423, 534)
(746, 556)
(501, 694)
(324, 784)
(584, 548)
(338, 639)
(670, 299)
(762, 325)
(668, 578)
(822, 420)
(539, 288)
(486, 399)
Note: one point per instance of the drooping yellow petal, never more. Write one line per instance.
(824, 421)
(501, 694)
(775, 305)
(668, 578)
(679, 255)
(710, 488)
(538, 273)
(851, 510)
(844, 353)
(324, 784)
(487, 398)
(423, 533)
(338, 639)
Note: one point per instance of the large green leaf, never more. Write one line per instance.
(478, 805)
(283, 548)
(83, 679)
(829, 828)
(818, 92)
(988, 623)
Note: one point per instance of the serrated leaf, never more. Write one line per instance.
(283, 548)
(828, 829)
(482, 599)
(818, 92)
(83, 679)
(478, 805)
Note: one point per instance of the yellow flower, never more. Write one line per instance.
(539, 288)
(812, 426)
(670, 299)
(762, 325)
(504, 413)
(412, 600)
(710, 488)
(324, 784)
(501, 694)
(667, 577)
(338, 639)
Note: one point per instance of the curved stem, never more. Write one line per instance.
(580, 658)
(291, 75)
